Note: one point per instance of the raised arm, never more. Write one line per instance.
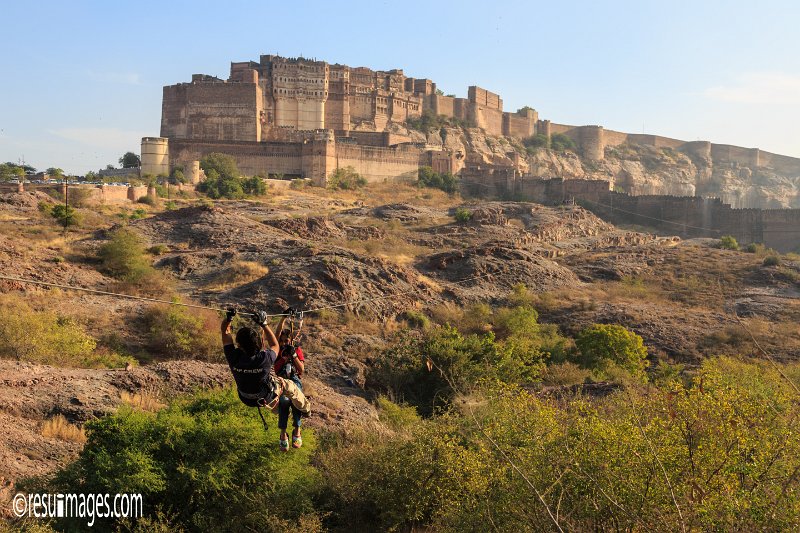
(271, 341)
(281, 324)
(225, 328)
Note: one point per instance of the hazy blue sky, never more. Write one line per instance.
(82, 80)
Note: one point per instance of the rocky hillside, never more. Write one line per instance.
(635, 169)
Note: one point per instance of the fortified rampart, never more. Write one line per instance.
(88, 194)
(688, 216)
(315, 158)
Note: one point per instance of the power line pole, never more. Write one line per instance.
(66, 204)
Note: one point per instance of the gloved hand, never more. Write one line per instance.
(260, 318)
(229, 314)
(288, 311)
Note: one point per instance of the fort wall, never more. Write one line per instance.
(315, 158)
(379, 164)
(89, 194)
(520, 124)
(688, 216)
(212, 110)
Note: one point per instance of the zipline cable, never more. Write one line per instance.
(195, 306)
(117, 294)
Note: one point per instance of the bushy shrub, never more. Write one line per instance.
(346, 178)
(428, 372)
(299, 184)
(722, 449)
(463, 215)
(65, 215)
(43, 336)
(604, 345)
(446, 182)
(124, 257)
(561, 142)
(772, 260)
(535, 142)
(158, 249)
(203, 461)
(728, 242)
(254, 186)
(398, 417)
(148, 200)
(181, 333)
(417, 319)
(137, 213)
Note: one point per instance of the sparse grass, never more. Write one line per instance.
(393, 248)
(143, 401)
(59, 428)
(238, 273)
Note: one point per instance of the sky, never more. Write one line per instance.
(82, 80)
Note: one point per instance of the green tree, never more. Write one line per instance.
(66, 215)
(561, 143)
(222, 177)
(124, 257)
(605, 345)
(463, 215)
(537, 141)
(254, 186)
(130, 160)
(346, 178)
(223, 164)
(54, 172)
(10, 171)
(427, 177)
(178, 176)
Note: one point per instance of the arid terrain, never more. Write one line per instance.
(363, 260)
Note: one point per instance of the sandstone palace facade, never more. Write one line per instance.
(302, 117)
(260, 99)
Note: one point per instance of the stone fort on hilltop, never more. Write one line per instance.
(300, 117)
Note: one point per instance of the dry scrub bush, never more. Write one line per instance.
(717, 454)
(45, 337)
(180, 333)
(566, 373)
(59, 428)
(124, 257)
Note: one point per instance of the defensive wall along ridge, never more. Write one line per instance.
(688, 216)
(87, 194)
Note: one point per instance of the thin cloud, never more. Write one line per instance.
(125, 78)
(759, 88)
(110, 138)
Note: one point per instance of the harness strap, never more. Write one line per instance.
(263, 420)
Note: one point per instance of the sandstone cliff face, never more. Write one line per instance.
(643, 170)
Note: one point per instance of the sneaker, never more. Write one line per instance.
(297, 441)
(284, 444)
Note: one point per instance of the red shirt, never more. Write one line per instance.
(283, 358)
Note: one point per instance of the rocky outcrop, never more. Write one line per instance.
(642, 170)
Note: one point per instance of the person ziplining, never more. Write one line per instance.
(290, 365)
(251, 360)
